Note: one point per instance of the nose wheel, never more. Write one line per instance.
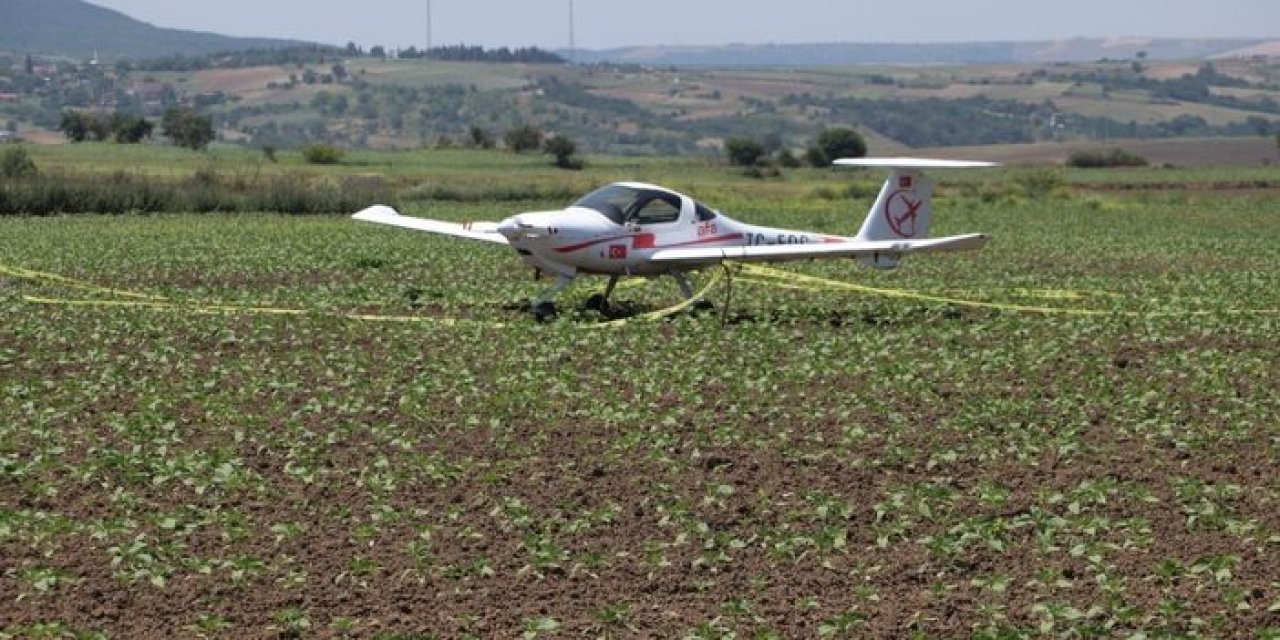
(544, 311)
(544, 307)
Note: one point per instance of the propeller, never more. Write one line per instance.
(516, 228)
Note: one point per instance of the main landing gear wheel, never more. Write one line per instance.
(544, 311)
(597, 302)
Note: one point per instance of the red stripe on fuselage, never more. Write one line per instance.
(578, 247)
(712, 240)
(646, 241)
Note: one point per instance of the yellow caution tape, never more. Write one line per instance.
(669, 311)
(792, 280)
(225, 309)
(28, 274)
(741, 272)
(161, 303)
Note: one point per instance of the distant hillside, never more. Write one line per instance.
(75, 29)
(801, 55)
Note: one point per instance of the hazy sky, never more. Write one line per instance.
(603, 24)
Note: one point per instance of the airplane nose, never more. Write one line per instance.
(529, 225)
(510, 228)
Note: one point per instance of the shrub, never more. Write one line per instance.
(563, 149)
(1105, 159)
(788, 160)
(743, 152)
(523, 138)
(322, 154)
(836, 143)
(205, 192)
(1037, 183)
(15, 163)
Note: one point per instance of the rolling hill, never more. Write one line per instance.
(76, 29)
(1032, 52)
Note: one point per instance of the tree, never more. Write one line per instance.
(523, 138)
(339, 105)
(772, 142)
(836, 143)
(788, 159)
(563, 149)
(187, 128)
(130, 129)
(321, 100)
(480, 138)
(30, 66)
(74, 127)
(743, 152)
(79, 126)
(378, 51)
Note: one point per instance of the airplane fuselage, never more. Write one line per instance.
(582, 240)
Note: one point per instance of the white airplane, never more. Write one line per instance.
(636, 229)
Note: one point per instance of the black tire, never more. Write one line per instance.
(596, 303)
(544, 311)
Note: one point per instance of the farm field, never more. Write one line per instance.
(1072, 433)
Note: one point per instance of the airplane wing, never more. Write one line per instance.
(483, 231)
(785, 252)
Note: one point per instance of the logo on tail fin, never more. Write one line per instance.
(902, 212)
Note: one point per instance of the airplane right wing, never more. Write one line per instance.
(786, 252)
(483, 231)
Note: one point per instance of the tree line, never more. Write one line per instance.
(182, 125)
(1197, 87)
(469, 53)
(320, 54)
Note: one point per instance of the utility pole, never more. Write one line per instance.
(430, 43)
(573, 39)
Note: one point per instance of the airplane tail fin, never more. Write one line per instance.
(904, 208)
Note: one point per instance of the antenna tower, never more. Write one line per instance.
(573, 36)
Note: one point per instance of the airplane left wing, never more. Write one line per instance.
(483, 231)
(785, 252)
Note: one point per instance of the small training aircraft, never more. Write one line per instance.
(636, 229)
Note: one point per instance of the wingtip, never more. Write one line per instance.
(375, 212)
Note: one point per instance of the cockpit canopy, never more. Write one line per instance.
(622, 204)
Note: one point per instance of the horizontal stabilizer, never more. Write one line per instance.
(913, 163)
(785, 252)
(483, 231)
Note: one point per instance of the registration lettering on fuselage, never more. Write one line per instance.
(758, 239)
